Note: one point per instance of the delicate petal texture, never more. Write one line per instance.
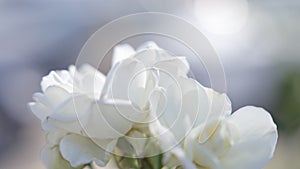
(53, 159)
(220, 105)
(120, 77)
(147, 45)
(80, 150)
(122, 52)
(208, 154)
(219, 108)
(53, 138)
(85, 80)
(186, 107)
(257, 140)
(167, 140)
(62, 115)
(244, 140)
(108, 120)
(148, 97)
(175, 66)
(90, 81)
(64, 107)
(39, 110)
(47, 102)
(149, 53)
(159, 131)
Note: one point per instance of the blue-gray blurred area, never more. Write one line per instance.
(258, 44)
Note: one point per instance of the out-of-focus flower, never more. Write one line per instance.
(245, 139)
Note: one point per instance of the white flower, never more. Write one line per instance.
(135, 74)
(245, 139)
(215, 138)
(69, 102)
(149, 70)
(157, 84)
(76, 120)
(147, 94)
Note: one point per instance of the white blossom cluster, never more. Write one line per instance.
(147, 94)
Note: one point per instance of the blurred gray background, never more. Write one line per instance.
(257, 41)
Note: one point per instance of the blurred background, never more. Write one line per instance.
(257, 41)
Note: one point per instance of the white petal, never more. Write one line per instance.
(86, 80)
(53, 159)
(53, 125)
(160, 132)
(72, 108)
(220, 105)
(55, 96)
(201, 154)
(122, 52)
(164, 135)
(79, 150)
(69, 115)
(184, 160)
(47, 102)
(148, 45)
(60, 78)
(219, 109)
(42, 99)
(110, 120)
(176, 66)
(39, 110)
(141, 87)
(258, 137)
(151, 56)
(129, 80)
(149, 53)
(120, 77)
(186, 107)
(53, 138)
(91, 82)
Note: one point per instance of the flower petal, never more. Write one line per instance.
(69, 115)
(110, 120)
(60, 78)
(79, 150)
(53, 138)
(258, 136)
(122, 52)
(55, 95)
(175, 66)
(86, 80)
(148, 45)
(201, 154)
(53, 159)
(45, 103)
(219, 109)
(120, 77)
(39, 110)
(149, 54)
(90, 81)
(186, 107)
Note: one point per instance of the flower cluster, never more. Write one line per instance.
(147, 106)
